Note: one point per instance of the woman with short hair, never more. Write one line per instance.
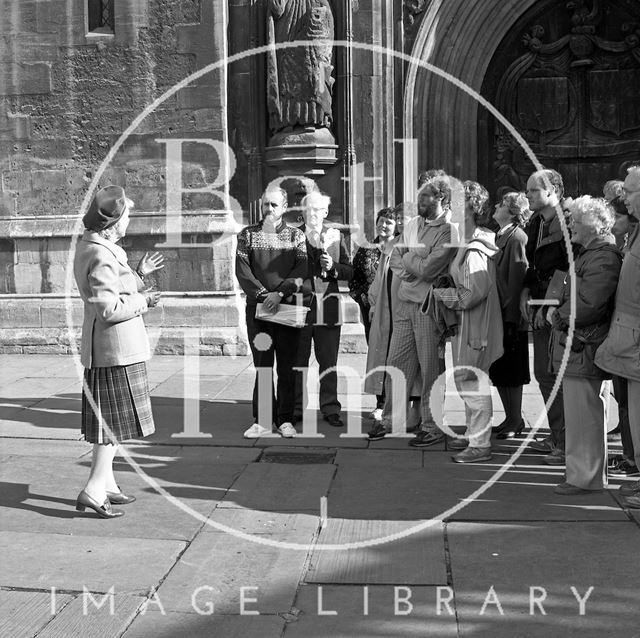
(115, 400)
(366, 262)
(477, 342)
(597, 266)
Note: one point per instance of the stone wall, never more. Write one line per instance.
(66, 98)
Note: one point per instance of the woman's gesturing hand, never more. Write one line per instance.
(152, 297)
(150, 263)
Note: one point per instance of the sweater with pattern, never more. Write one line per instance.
(270, 262)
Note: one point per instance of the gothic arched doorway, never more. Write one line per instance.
(567, 75)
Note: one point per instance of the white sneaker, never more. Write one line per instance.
(256, 431)
(376, 414)
(287, 430)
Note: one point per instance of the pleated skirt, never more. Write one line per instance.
(121, 395)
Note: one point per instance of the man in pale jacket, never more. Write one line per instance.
(421, 257)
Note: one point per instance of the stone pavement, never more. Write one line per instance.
(231, 537)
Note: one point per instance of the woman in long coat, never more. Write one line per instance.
(597, 266)
(478, 340)
(115, 398)
(511, 371)
(620, 352)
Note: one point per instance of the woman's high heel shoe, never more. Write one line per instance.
(104, 510)
(510, 433)
(118, 498)
(505, 425)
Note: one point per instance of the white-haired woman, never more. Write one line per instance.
(511, 371)
(597, 266)
(114, 345)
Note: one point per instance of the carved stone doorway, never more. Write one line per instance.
(567, 76)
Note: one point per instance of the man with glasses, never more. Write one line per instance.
(546, 252)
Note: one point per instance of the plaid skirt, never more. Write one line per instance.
(121, 394)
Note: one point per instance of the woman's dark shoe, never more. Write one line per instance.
(505, 425)
(118, 498)
(104, 510)
(510, 432)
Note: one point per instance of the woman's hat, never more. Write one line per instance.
(107, 208)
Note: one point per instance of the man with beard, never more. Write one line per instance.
(421, 257)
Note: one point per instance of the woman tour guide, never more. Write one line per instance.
(115, 400)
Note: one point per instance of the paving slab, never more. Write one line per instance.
(253, 522)
(554, 557)
(222, 564)
(389, 493)
(372, 458)
(385, 612)
(212, 455)
(225, 422)
(211, 366)
(417, 559)
(155, 624)
(270, 487)
(33, 423)
(24, 613)
(40, 447)
(69, 562)
(238, 387)
(157, 376)
(41, 494)
(173, 387)
(38, 365)
(506, 501)
(330, 437)
(36, 388)
(93, 616)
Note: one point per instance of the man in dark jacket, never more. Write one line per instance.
(328, 262)
(546, 253)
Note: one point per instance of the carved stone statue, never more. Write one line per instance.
(299, 79)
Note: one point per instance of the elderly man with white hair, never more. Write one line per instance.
(620, 352)
(328, 262)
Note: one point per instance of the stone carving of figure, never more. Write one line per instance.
(299, 80)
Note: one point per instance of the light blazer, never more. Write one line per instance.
(113, 332)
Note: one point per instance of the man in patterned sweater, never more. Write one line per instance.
(271, 263)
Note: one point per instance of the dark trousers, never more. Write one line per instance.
(622, 398)
(326, 342)
(546, 380)
(281, 341)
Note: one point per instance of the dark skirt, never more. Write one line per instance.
(121, 394)
(512, 368)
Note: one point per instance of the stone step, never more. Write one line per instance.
(37, 324)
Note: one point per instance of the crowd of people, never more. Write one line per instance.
(562, 270)
(566, 270)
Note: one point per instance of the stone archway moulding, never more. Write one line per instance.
(460, 37)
